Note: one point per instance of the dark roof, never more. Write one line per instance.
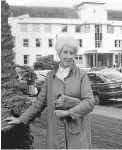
(114, 15)
(44, 12)
(89, 3)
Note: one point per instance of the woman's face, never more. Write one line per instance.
(66, 56)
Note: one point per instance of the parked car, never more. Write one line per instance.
(105, 85)
(42, 73)
(85, 69)
(39, 80)
(109, 70)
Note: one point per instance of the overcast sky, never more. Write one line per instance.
(110, 4)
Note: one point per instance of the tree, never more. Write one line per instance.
(13, 102)
(45, 63)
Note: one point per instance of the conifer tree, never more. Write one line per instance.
(10, 92)
(13, 102)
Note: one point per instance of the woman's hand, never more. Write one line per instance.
(61, 113)
(12, 121)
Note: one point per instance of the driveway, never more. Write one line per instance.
(108, 111)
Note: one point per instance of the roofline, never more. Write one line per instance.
(88, 3)
(66, 21)
(29, 6)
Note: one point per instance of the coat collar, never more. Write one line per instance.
(57, 66)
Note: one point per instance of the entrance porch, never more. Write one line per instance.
(95, 59)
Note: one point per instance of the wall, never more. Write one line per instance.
(88, 17)
(92, 12)
(88, 41)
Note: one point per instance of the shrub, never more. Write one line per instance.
(45, 63)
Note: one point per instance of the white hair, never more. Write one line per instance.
(66, 40)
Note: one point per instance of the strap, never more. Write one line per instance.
(65, 122)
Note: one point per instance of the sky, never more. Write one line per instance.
(110, 4)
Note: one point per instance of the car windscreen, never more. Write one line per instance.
(113, 76)
(40, 76)
(42, 73)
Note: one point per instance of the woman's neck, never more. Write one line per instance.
(64, 67)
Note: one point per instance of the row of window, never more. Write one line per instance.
(84, 28)
(110, 29)
(64, 28)
(98, 43)
(78, 59)
(38, 42)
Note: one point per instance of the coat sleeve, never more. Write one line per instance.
(87, 100)
(37, 107)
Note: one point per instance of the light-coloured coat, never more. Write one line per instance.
(75, 131)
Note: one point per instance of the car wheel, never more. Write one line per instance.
(97, 99)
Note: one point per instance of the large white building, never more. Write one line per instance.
(98, 30)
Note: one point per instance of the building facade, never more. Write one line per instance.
(99, 35)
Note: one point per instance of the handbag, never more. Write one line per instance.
(64, 102)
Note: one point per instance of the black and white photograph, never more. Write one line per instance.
(61, 74)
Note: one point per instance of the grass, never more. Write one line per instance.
(106, 132)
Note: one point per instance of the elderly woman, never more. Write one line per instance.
(67, 128)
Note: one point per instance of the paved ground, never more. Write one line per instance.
(108, 111)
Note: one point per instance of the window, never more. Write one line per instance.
(35, 27)
(64, 28)
(38, 42)
(38, 57)
(118, 43)
(78, 59)
(94, 78)
(80, 42)
(50, 42)
(115, 43)
(78, 28)
(85, 28)
(25, 43)
(98, 43)
(26, 59)
(47, 27)
(110, 29)
(98, 36)
(23, 27)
